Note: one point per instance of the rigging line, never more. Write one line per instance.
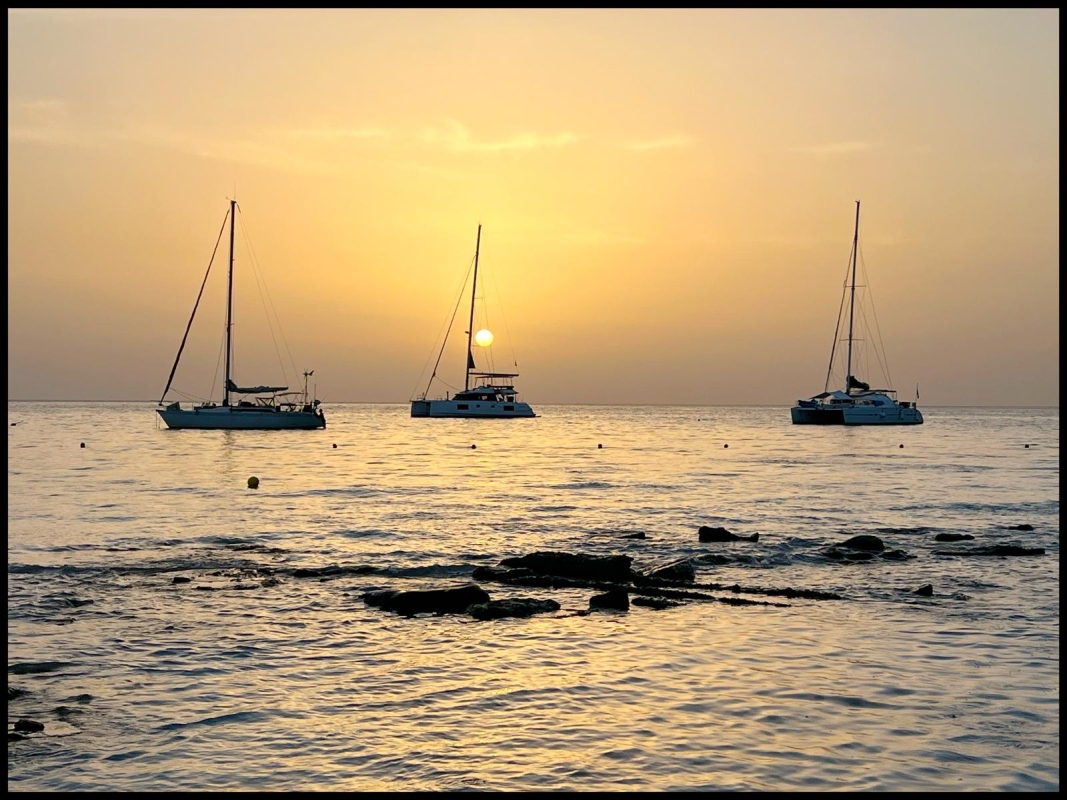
(448, 330)
(218, 362)
(195, 306)
(261, 281)
(877, 326)
(837, 327)
(270, 299)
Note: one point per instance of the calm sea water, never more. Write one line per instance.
(249, 677)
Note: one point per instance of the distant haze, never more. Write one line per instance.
(667, 198)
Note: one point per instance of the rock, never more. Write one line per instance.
(638, 535)
(680, 571)
(29, 726)
(995, 550)
(952, 537)
(926, 590)
(706, 534)
(512, 607)
(614, 600)
(575, 565)
(656, 603)
(864, 541)
(1023, 527)
(181, 579)
(428, 601)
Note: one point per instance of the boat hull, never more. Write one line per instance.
(856, 416)
(470, 409)
(230, 418)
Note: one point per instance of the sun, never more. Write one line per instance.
(483, 338)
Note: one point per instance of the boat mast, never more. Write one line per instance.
(852, 298)
(229, 311)
(470, 325)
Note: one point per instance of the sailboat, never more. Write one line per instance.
(242, 408)
(857, 403)
(485, 394)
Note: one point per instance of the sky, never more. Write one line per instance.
(667, 200)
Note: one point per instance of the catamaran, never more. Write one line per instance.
(486, 394)
(258, 407)
(857, 403)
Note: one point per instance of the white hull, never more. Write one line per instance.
(824, 415)
(470, 409)
(232, 418)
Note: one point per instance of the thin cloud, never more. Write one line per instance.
(663, 143)
(42, 121)
(49, 122)
(833, 148)
(455, 136)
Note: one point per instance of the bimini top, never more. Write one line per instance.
(233, 387)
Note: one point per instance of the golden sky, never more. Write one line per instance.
(667, 199)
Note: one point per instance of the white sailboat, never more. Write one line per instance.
(485, 394)
(857, 403)
(259, 407)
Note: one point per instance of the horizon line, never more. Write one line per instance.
(606, 405)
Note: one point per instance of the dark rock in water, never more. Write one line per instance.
(428, 601)
(29, 726)
(706, 534)
(330, 572)
(926, 590)
(849, 555)
(638, 535)
(614, 600)
(952, 537)
(681, 571)
(656, 603)
(181, 579)
(14, 737)
(1023, 527)
(995, 550)
(575, 565)
(12, 693)
(512, 607)
(896, 555)
(864, 541)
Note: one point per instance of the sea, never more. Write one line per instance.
(172, 629)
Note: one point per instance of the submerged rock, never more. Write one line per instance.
(926, 590)
(952, 537)
(613, 600)
(454, 600)
(655, 603)
(512, 607)
(995, 550)
(707, 534)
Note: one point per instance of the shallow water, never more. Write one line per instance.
(250, 677)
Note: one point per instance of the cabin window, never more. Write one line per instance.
(462, 406)
(509, 408)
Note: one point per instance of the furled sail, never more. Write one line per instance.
(856, 383)
(231, 386)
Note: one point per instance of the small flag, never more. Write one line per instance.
(470, 360)
(916, 391)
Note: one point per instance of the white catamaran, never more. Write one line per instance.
(857, 403)
(485, 394)
(270, 407)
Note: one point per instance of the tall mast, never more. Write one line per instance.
(470, 325)
(852, 298)
(229, 310)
